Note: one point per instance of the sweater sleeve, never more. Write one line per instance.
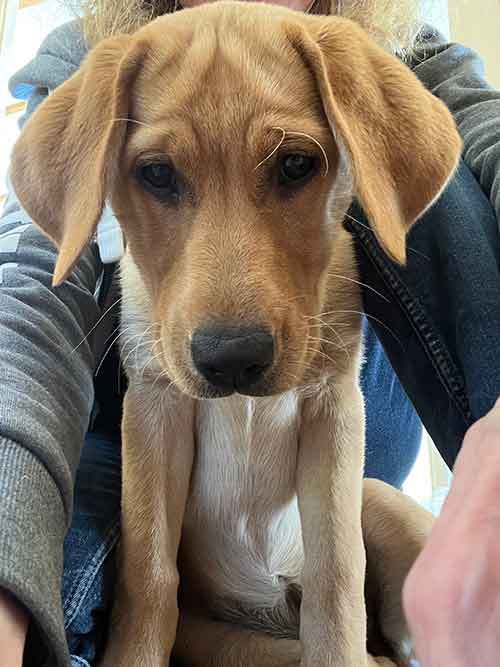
(46, 388)
(456, 75)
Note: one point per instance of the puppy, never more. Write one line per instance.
(230, 141)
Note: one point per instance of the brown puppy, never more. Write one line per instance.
(230, 141)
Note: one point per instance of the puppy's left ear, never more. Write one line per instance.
(402, 141)
(64, 162)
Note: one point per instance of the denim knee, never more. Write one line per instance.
(393, 428)
(89, 549)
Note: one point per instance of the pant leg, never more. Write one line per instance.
(393, 428)
(89, 549)
(441, 325)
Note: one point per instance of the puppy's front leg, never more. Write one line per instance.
(329, 488)
(158, 444)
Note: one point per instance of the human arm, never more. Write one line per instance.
(13, 628)
(46, 381)
(456, 75)
(452, 594)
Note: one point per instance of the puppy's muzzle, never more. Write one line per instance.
(232, 358)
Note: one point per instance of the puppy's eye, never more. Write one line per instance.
(296, 168)
(160, 178)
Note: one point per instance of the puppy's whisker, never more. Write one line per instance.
(322, 323)
(170, 384)
(284, 134)
(333, 312)
(339, 345)
(418, 252)
(163, 374)
(300, 366)
(135, 349)
(315, 141)
(154, 358)
(326, 341)
(371, 317)
(117, 328)
(150, 326)
(361, 224)
(409, 248)
(330, 327)
(291, 378)
(110, 346)
(275, 149)
(137, 335)
(358, 282)
(96, 324)
(322, 354)
(340, 340)
(159, 377)
(127, 342)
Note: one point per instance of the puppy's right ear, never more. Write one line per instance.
(402, 141)
(63, 163)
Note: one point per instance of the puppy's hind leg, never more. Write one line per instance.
(395, 530)
(203, 642)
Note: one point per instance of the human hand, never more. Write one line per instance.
(452, 594)
(13, 628)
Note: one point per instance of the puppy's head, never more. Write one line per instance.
(230, 140)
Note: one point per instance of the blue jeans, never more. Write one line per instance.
(440, 320)
(439, 327)
(89, 567)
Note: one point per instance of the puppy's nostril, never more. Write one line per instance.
(232, 358)
(214, 376)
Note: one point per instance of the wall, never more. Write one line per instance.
(476, 23)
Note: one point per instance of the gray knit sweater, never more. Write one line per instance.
(46, 375)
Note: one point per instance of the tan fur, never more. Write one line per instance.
(258, 497)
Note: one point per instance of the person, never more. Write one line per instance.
(451, 595)
(435, 321)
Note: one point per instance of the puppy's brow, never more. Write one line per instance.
(139, 122)
(156, 140)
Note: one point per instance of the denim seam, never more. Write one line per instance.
(431, 342)
(83, 584)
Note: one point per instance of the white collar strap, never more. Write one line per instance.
(109, 237)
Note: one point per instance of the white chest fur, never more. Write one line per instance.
(242, 539)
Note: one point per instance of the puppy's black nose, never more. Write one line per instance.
(232, 359)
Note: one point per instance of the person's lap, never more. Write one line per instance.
(418, 328)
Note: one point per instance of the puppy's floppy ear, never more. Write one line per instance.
(62, 164)
(402, 141)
